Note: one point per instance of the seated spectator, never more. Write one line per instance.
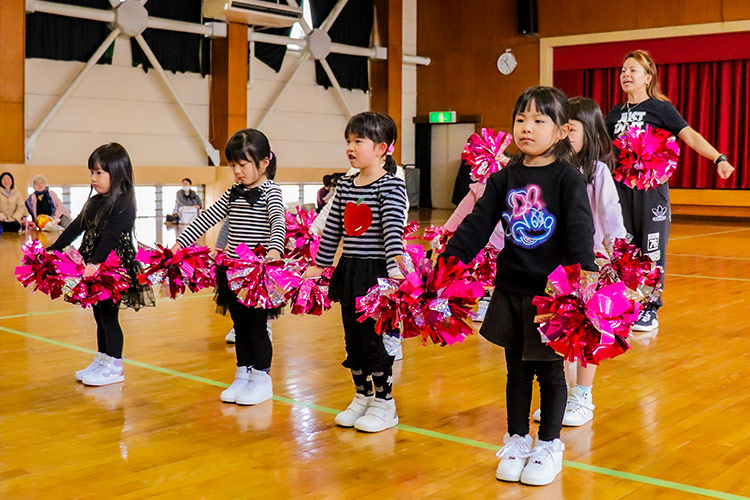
(12, 210)
(186, 197)
(45, 202)
(324, 192)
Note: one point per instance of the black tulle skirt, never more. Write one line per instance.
(224, 296)
(353, 277)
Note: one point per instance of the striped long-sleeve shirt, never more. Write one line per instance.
(262, 222)
(386, 198)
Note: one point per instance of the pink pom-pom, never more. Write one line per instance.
(109, 281)
(432, 302)
(484, 266)
(300, 243)
(648, 157)
(484, 152)
(583, 320)
(311, 296)
(38, 268)
(174, 272)
(438, 236)
(629, 265)
(257, 282)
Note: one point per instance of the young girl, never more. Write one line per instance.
(593, 156)
(255, 210)
(646, 213)
(541, 199)
(107, 222)
(368, 212)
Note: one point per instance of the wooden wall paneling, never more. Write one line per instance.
(12, 60)
(386, 77)
(229, 65)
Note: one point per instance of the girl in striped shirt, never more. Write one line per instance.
(255, 210)
(368, 213)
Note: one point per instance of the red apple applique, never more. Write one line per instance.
(357, 218)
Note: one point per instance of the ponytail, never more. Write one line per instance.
(390, 165)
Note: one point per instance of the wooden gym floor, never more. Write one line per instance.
(672, 416)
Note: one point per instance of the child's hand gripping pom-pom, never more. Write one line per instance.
(484, 266)
(438, 236)
(311, 296)
(258, 282)
(109, 281)
(582, 320)
(431, 302)
(172, 272)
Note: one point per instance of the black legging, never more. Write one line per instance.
(108, 332)
(11, 227)
(552, 388)
(252, 344)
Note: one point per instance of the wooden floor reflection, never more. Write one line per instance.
(673, 409)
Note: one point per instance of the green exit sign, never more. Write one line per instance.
(442, 117)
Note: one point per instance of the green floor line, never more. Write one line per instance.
(74, 309)
(407, 428)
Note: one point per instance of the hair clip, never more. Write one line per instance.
(391, 149)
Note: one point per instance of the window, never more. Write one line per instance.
(78, 197)
(297, 29)
(145, 201)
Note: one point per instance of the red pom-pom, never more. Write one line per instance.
(257, 282)
(38, 268)
(581, 319)
(109, 281)
(173, 272)
(648, 157)
(484, 152)
(300, 242)
(438, 236)
(311, 296)
(628, 264)
(432, 302)
(484, 266)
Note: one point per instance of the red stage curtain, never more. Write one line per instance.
(714, 98)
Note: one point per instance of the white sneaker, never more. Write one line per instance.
(230, 338)
(398, 353)
(241, 379)
(379, 416)
(481, 312)
(109, 372)
(580, 408)
(259, 389)
(357, 408)
(89, 369)
(544, 464)
(513, 456)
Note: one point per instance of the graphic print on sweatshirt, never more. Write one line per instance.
(528, 224)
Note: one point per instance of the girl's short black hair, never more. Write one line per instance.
(113, 159)
(251, 144)
(188, 180)
(553, 103)
(12, 180)
(378, 127)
